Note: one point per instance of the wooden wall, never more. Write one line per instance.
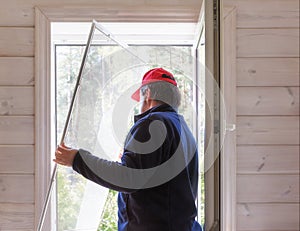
(267, 114)
(16, 125)
(16, 128)
(17, 87)
(267, 106)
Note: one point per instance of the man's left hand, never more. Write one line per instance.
(65, 155)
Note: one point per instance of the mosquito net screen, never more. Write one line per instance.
(102, 113)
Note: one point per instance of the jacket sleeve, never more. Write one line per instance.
(134, 171)
(97, 169)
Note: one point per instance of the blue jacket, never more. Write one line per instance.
(158, 176)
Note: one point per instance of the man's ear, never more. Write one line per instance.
(147, 95)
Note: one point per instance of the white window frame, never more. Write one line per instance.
(44, 120)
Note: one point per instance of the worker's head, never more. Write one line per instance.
(158, 86)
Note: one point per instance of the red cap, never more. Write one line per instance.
(154, 75)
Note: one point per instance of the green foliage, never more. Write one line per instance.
(109, 216)
(68, 60)
(70, 189)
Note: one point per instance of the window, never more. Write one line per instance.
(82, 204)
(45, 109)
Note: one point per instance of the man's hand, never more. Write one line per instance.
(65, 155)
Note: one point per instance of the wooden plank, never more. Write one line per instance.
(16, 130)
(268, 159)
(268, 72)
(16, 71)
(268, 101)
(267, 13)
(268, 42)
(263, 217)
(16, 217)
(127, 11)
(17, 159)
(21, 13)
(162, 13)
(17, 41)
(16, 100)
(268, 130)
(16, 188)
(267, 188)
(17, 15)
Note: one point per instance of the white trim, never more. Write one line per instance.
(199, 33)
(199, 27)
(228, 88)
(43, 121)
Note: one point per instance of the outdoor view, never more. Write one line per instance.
(109, 77)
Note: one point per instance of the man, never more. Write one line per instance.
(158, 175)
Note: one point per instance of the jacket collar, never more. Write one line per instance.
(159, 108)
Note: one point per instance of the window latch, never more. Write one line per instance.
(230, 127)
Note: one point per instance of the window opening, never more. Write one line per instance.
(106, 69)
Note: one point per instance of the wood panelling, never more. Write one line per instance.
(21, 13)
(268, 159)
(16, 41)
(267, 188)
(262, 217)
(268, 72)
(16, 217)
(267, 13)
(268, 42)
(268, 51)
(16, 188)
(16, 100)
(268, 130)
(17, 159)
(267, 101)
(16, 71)
(16, 130)
(268, 115)
(124, 14)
